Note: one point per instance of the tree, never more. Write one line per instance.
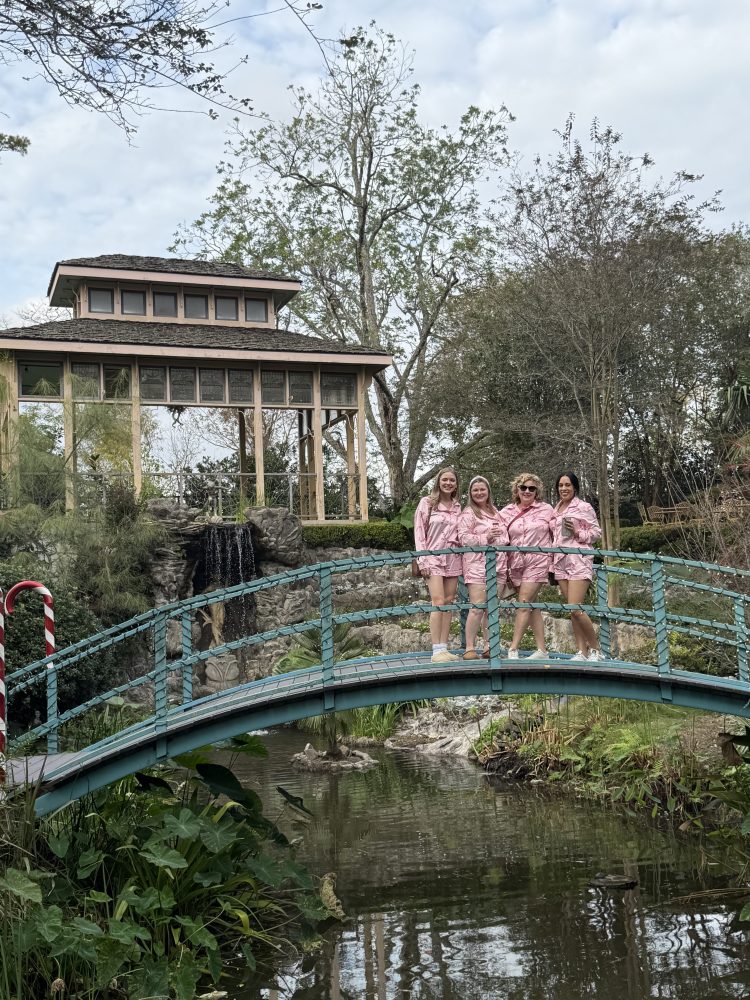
(600, 266)
(109, 55)
(379, 215)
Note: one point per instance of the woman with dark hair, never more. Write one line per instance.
(436, 527)
(575, 525)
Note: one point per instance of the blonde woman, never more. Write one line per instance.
(436, 527)
(528, 521)
(480, 525)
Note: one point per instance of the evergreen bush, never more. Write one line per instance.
(387, 535)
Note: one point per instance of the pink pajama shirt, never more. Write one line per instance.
(587, 531)
(437, 528)
(473, 530)
(532, 526)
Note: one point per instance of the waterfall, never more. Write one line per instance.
(228, 556)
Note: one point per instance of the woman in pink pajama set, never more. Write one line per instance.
(480, 525)
(575, 525)
(528, 521)
(436, 527)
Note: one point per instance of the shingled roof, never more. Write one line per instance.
(167, 265)
(133, 334)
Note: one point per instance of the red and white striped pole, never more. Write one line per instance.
(49, 649)
(3, 701)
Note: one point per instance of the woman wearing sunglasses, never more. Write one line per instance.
(480, 525)
(576, 525)
(528, 521)
(436, 527)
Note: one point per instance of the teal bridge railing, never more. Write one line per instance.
(669, 589)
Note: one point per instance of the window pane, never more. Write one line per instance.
(165, 303)
(226, 308)
(256, 311)
(116, 382)
(182, 385)
(338, 389)
(38, 379)
(153, 383)
(300, 387)
(212, 385)
(272, 387)
(240, 386)
(101, 300)
(196, 306)
(133, 303)
(85, 380)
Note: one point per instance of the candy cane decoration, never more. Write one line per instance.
(3, 703)
(49, 648)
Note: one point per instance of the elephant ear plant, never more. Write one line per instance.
(147, 888)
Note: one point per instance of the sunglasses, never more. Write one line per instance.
(527, 489)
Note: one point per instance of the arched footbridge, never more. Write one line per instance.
(692, 615)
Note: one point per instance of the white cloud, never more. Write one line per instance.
(671, 75)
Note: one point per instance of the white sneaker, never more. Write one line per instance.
(512, 654)
(539, 654)
(442, 657)
(595, 656)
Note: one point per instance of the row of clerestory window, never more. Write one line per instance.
(195, 306)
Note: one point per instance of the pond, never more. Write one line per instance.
(460, 888)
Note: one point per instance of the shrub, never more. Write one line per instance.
(672, 539)
(369, 535)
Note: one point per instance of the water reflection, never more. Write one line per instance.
(458, 888)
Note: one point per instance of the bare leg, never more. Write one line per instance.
(435, 585)
(583, 627)
(477, 595)
(450, 587)
(527, 592)
(580, 639)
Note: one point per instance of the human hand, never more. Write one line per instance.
(425, 573)
(570, 525)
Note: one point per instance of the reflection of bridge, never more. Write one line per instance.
(670, 588)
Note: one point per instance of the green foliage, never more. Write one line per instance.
(667, 538)
(377, 722)
(388, 535)
(145, 888)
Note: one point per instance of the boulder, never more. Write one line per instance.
(277, 535)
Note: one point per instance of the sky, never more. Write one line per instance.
(671, 75)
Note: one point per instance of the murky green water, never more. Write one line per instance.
(462, 889)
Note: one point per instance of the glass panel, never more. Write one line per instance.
(101, 300)
(212, 385)
(256, 311)
(226, 308)
(39, 379)
(133, 303)
(300, 387)
(153, 383)
(196, 306)
(117, 382)
(85, 380)
(338, 389)
(182, 385)
(240, 386)
(272, 387)
(165, 303)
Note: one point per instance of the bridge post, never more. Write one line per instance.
(326, 636)
(187, 649)
(493, 620)
(740, 620)
(602, 600)
(658, 597)
(160, 681)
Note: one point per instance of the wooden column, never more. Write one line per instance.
(9, 430)
(242, 432)
(135, 429)
(258, 444)
(69, 448)
(317, 428)
(362, 385)
(351, 467)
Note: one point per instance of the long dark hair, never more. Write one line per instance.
(574, 480)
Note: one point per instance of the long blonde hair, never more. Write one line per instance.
(522, 479)
(434, 495)
(478, 511)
